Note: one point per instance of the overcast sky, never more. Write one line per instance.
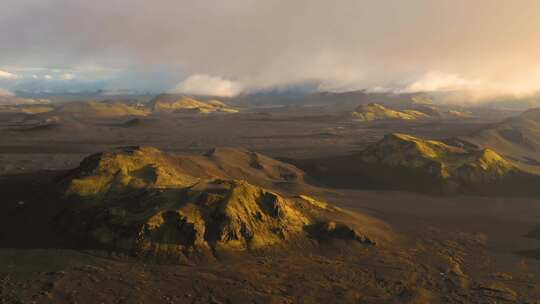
(226, 47)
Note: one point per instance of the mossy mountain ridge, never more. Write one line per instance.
(405, 162)
(174, 104)
(113, 172)
(99, 109)
(518, 136)
(143, 201)
(374, 111)
(111, 110)
(439, 159)
(414, 111)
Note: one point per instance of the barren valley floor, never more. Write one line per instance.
(448, 249)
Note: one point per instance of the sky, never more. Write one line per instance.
(485, 47)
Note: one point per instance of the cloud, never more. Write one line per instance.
(460, 89)
(201, 84)
(7, 75)
(67, 76)
(441, 82)
(482, 44)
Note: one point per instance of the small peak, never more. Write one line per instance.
(491, 156)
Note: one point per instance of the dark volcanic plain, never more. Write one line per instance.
(434, 248)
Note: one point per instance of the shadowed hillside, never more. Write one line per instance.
(516, 136)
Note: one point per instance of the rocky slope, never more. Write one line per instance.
(149, 203)
(516, 136)
(438, 159)
(415, 111)
(95, 109)
(373, 111)
(167, 104)
(109, 172)
(400, 161)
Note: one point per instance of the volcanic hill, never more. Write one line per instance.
(516, 136)
(148, 203)
(95, 109)
(400, 161)
(374, 111)
(174, 104)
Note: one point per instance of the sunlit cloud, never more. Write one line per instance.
(440, 82)
(201, 84)
(483, 46)
(67, 76)
(7, 75)
(464, 89)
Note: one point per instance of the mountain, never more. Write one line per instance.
(518, 137)
(418, 108)
(107, 174)
(340, 101)
(166, 103)
(400, 161)
(26, 109)
(95, 109)
(8, 100)
(149, 203)
(374, 111)
(13, 104)
(442, 112)
(438, 159)
(76, 115)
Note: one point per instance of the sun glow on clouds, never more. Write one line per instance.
(436, 81)
(201, 84)
(67, 76)
(7, 75)
(470, 88)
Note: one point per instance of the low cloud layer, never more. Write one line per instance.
(208, 85)
(486, 46)
(433, 82)
(7, 75)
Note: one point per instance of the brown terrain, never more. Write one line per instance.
(181, 200)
